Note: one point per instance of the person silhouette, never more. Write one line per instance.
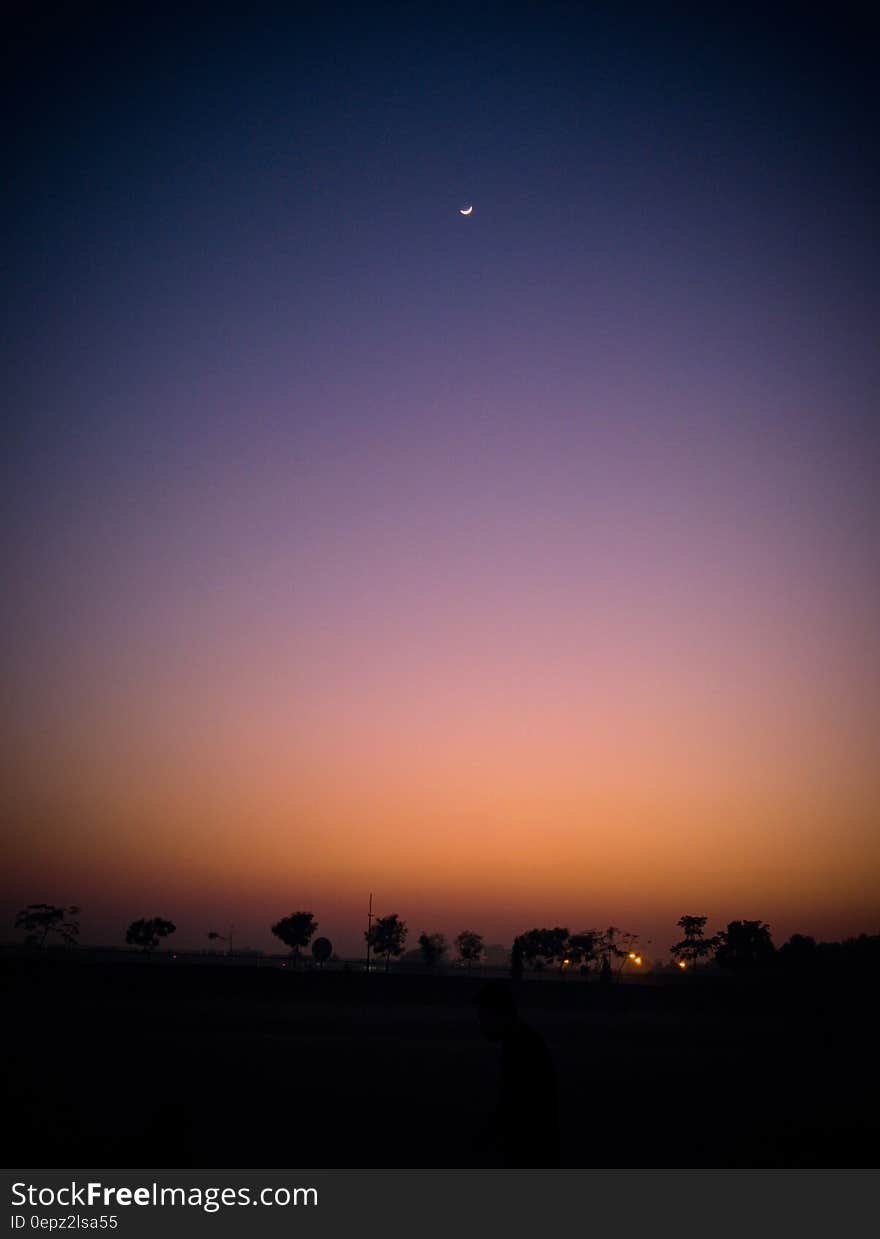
(525, 1124)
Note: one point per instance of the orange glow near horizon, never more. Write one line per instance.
(515, 784)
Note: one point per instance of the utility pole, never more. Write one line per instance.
(369, 927)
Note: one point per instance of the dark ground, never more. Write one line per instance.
(153, 1065)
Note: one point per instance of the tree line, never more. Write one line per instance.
(743, 946)
(386, 938)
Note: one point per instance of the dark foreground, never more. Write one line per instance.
(131, 1065)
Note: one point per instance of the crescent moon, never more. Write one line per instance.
(465, 210)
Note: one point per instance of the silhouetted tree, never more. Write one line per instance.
(744, 946)
(469, 946)
(38, 920)
(863, 951)
(858, 958)
(540, 946)
(799, 953)
(610, 948)
(433, 947)
(322, 949)
(387, 936)
(629, 950)
(694, 946)
(296, 931)
(146, 933)
(582, 949)
(214, 936)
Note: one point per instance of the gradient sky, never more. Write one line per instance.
(521, 568)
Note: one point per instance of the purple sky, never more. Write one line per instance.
(516, 566)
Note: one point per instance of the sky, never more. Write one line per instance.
(520, 568)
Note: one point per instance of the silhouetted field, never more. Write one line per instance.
(125, 1064)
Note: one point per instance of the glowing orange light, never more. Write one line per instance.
(637, 959)
(682, 964)
(632, 955)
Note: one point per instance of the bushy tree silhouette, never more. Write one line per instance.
(433, 947)
(387, 936)
(322, 949)
(542, 946)
(799, 953)
(147, 932)
(38, 920)
(296, 931)
(582, 948)
(469, 946)
(857, 957)
(744, 946)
